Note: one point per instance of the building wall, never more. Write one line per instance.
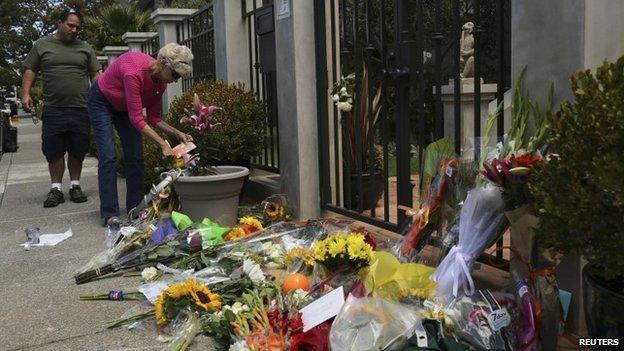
(548, 38)
(604, 31)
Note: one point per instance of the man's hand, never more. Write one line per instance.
(27, 103)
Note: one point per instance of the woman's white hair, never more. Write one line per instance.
(178, 57)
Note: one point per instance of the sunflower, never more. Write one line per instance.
(235, 233)
(252, 222)
(203, 297)
(198, 294)
(274, 211)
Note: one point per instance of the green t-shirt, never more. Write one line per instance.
(65, 68)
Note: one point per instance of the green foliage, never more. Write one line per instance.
(580, 194)
(107, 27)
(235, 141)
(240, 135)
(187, 4)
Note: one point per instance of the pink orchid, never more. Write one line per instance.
(200, 119)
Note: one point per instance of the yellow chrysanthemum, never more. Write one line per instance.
(349, 245)
(306, 255)
(201, 296)
(252, 222)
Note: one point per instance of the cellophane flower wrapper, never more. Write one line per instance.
(430, 213)
(371, 324)
(469, 316)
(544, 287)
(387, 277)
(184, 329)
(481, 221)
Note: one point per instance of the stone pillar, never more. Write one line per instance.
(103, 60)
(467, 89)
(135, 40)
(165, 20)
(296, 96)
(112, 52)
(231, 42)
(585, 33)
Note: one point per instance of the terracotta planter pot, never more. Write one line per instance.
(213, 196)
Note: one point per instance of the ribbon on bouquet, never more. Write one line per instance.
(456, 266)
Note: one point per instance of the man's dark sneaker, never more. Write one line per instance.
(55, 197)
(76, 194)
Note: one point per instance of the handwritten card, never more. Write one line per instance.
(322, 309)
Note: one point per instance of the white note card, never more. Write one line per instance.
(322, 309)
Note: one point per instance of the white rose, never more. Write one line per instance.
(344, 106)
(253, 271)
(148, 274)
(335, 97)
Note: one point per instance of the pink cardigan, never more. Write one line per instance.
(128, 86)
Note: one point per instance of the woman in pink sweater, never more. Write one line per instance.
(133, 82)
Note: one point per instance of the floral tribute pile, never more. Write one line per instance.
(270, 283)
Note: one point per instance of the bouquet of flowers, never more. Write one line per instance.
(511, 174)
(272, 210)
(247, 226)
(343, 252)
(481, 221)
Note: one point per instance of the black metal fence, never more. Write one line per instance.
(405, 59)
(197, 33)
(151, 46)
(262, 75)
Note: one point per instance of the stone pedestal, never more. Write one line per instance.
(112, 52)
(165, 21)
(467, 116)
(135, 40)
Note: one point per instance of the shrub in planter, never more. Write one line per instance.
(240, 135)
(237, 138)
(579, 194)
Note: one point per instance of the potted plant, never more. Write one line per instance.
(225, 136)
(579, 193)
(358, 133)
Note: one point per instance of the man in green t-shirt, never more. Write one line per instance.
(67, 65)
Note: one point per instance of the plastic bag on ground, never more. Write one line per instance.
(372, 324)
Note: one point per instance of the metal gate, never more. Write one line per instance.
(401, 60)
(197, 33)
(262, 74)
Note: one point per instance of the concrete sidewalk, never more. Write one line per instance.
(40, 307)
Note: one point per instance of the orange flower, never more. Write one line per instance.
(526, 160)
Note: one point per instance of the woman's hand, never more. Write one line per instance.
(166, 149)
(184, 138)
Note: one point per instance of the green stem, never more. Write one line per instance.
(133, 318)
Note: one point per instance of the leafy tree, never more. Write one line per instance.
(107, 27)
